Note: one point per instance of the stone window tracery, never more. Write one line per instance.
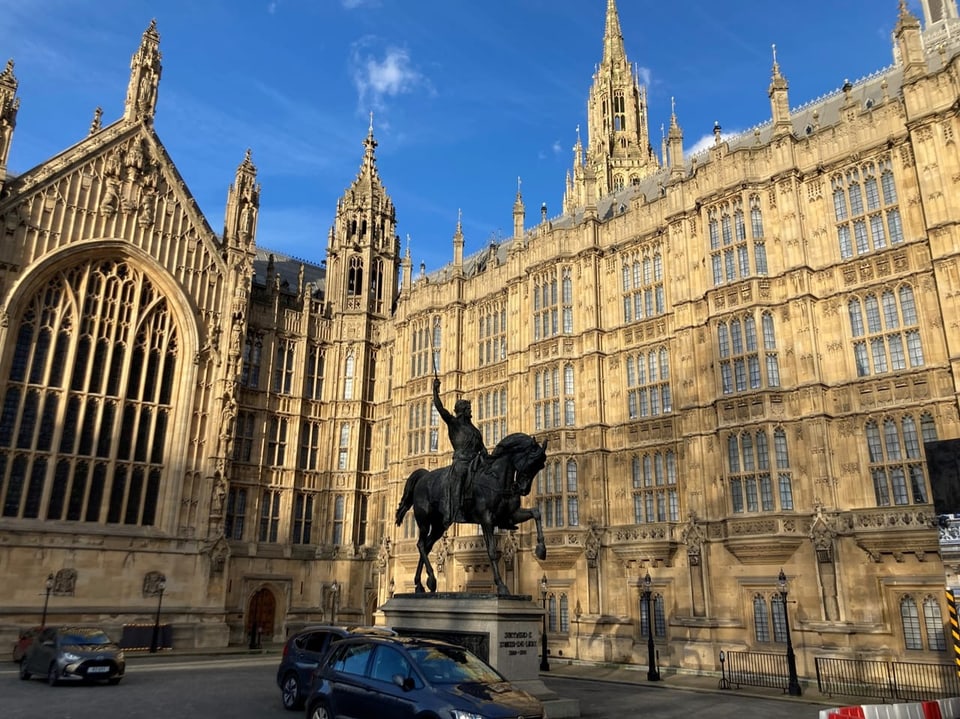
(757, 483)
(885, 331)
(648, 384)
(896, 457)
(654, 486)
(734, 256)
(642, 286)
(866, 208)
(748, 361)
(88, 399)
(557, 494)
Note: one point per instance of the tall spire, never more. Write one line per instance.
(9, 105)
(779, 102)
(363, 248)
(613, 51)
(619, 150)
(145, 68)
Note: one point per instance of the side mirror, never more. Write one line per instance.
(405, 683)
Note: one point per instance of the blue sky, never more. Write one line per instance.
(467, 95)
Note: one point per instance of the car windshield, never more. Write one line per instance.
(83, 636)
(452, 665)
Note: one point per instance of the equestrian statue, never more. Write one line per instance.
(478, 488)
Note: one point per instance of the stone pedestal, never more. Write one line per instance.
(503, 630)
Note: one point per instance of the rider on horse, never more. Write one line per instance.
(468, 451)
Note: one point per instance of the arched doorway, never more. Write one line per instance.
(260, 616)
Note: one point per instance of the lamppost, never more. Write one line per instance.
(46, 599)
(544, 664)
(155, 641)
(577, 613)
(334, 598)
(652, 674)
(793, 685)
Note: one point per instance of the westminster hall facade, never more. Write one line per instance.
(735, 357)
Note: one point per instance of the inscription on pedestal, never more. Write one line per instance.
(476, 642)
(518, 643)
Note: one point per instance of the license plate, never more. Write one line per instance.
(97, 670)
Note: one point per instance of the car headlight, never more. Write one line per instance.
(459, 714)
(71, 657)
(120, 656)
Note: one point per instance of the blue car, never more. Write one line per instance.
(302, 653)
(408, 677)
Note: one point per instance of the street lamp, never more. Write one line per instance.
(334, 597)
(793, 686)
(544, 664)
(652, 674)
(155, 641)
(577, 613)
(46, 600)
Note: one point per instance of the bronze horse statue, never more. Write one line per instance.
(492, 500)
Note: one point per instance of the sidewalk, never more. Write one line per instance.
(624, 674)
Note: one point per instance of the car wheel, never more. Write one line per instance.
(53, 676)
(290, 692)
(320, 711)
(24, 674)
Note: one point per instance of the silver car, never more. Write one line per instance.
(80, 653)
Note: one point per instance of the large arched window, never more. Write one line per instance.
(88, 399)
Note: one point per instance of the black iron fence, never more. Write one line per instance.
(893, 681)
(757, 669)
(896, 681)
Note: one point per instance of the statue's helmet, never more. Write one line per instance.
(462, 407)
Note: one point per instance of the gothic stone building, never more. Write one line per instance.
(736, 358)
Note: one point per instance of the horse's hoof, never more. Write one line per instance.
(502, 590)
(541, 551)
(432, 584)
(419, 589)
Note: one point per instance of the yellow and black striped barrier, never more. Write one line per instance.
(954, 627)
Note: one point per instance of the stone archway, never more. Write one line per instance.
(261, 614)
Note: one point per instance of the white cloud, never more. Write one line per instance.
(708, 141)
(645, 75)
(379, 78)
(354, 4)
(558, 148)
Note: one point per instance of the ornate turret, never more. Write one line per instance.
(909, 44)
(458, 244)
(9, 105)
(519, 213)
(619, 151)
(574, 196)
(675, 143)
(243, 205)
(364, 252)
(779, 102)
(141, 102)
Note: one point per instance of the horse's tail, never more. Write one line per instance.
(406, 501)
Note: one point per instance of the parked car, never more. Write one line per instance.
(405, 677)
(72, 652)
(23, 641)
(301, 656)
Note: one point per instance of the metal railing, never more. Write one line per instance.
(902, 681)
(757, 669)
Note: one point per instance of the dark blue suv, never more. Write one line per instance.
(301, 656)
(407, 677)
